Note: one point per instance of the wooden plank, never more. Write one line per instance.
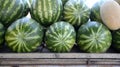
(59, 62)
(71, 66)
(59, 58)
(42, 61)
(59, 55)
(6, 66)
(104, 61)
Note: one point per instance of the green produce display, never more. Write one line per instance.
(46, 12)
(10, 10)
(24, 35)
(60, 37)
(59, 26)
(94, 37)
(76, 12)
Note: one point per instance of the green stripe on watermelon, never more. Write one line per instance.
(60, 37)
(24, 35)
(76, 12)
(10, 10)
(46, 12)
(94, 37)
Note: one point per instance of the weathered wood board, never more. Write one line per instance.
(43, 56)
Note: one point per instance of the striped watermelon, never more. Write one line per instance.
(60, 37)
(95, 11)
(2, 31)
(46, 12)
(116, 40)
(24, 35)
(30, 3)
(10, 10)
(76, 12)
(94, 37)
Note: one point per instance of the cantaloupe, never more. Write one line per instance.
(110, 14)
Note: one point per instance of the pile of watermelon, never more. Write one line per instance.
(58, 25)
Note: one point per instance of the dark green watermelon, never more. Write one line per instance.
(64, 1)
(94, 37)
(76, 12)
(10, 10)
(46, 12)
(24, 35)
(60, 37)
(2, 31)
(116, 40)
(27, 4)
(95, 11)
(26, 9)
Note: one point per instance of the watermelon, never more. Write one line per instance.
(24, 35)
(10, 10)
(26, 9)
(60, 37)
(95, 11)
(64, 1)
(2, 31)
(94, 37)
(30, 3)
(27, 4)
(116, 40)
(46, 12)
(76, 12)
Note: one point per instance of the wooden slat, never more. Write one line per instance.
(59, 58)
(58, 55)
(104, 61)
(42, 61)
(72, 66)
(59, 62)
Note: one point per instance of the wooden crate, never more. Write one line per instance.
(43, 56)
(59, 59)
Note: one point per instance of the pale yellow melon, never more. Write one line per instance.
(110, 14)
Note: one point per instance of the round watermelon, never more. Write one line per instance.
(95, 11)
(116, 40)
(76, 12)
(60, 37)
(46, 12)
(10, 10)
(2, 31)
(24, 35)
(94, 37)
